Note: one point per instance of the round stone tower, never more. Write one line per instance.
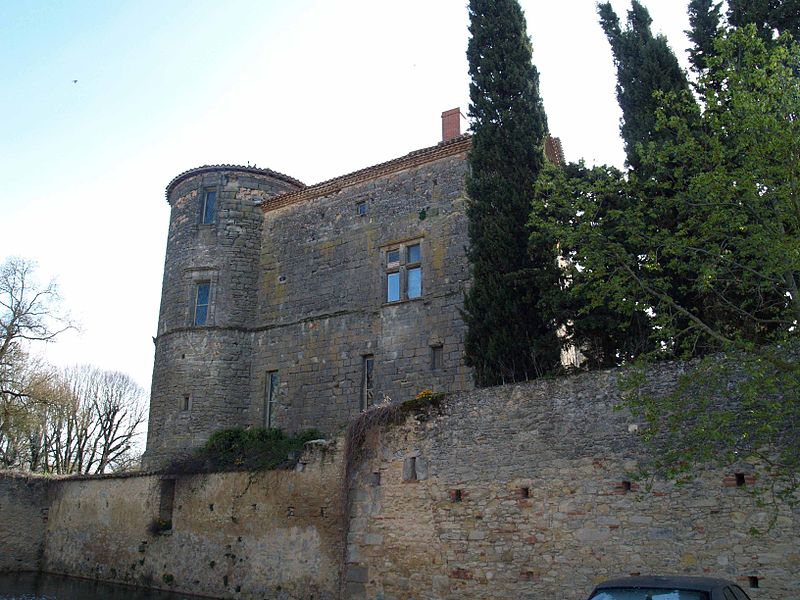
(201, 373)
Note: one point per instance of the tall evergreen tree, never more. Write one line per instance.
(704, 20)
(768, 16)
(645, 65)
(509, 334)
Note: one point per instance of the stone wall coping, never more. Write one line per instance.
(413, 159)
(225, 167)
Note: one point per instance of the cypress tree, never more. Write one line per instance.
(704, 20)
(782, 16)
(509, 335)
(645, 65)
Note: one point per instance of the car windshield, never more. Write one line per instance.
(648, 594)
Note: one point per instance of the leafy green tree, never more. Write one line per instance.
(645, 65)
(510, 336)
(722, 281)
(594, 217)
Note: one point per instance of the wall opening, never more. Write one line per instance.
(166, 504)
(410, 469)
(367, 381)
(739, 479)
(437, 357)
(752, 580)
(270, 398)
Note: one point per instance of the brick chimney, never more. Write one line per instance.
(451, 124)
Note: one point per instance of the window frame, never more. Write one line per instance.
(401, 269)
(367, 391)
(272, 386)
(198, 285)
(437, 357)
(209, 217)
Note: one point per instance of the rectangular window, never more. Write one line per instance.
(393, 258)
(367, 382)
(361, 209)
(437, 356)
(186, 402)
(209, 206)
(404, 272)
(413, 256)
(271, 398)
(414, 276)
(201, 301)
(393, 287)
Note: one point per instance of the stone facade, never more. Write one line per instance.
(527, 491)
(24, 512)
(511, 492)
(273, 534)
(298, 310)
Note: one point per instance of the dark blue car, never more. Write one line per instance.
(668, 588)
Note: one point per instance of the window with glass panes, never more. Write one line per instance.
(202, 297)
(403, 278)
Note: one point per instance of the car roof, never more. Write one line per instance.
(704, 584)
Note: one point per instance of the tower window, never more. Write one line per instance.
(209, 207)
(201, 302)
(361, 209)
(271, 398)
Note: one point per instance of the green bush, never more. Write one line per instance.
(252, 449)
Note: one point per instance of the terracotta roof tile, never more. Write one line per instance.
(241, 169)
(452, 147)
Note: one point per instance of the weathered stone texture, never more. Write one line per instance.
(299, 287)
(274, 534)
(24, 512)
(525, 494)
(322, 298)
(209, 363)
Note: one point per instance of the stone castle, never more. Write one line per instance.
(293, 306)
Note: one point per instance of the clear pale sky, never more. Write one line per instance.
(310, 88)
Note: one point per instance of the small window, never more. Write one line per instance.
(271, 398)
(209, 207)
(361, 209)
(413, 254)
(186, 402)
(437, 356)
(201, 301)
(393, 258)
(367, 381)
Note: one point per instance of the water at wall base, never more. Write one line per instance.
(42, 586)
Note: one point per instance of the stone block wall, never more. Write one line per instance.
(527, 492)
(274, 534)
(201, 374)
(24, 513)
(322, 304)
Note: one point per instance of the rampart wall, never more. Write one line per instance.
(24, 513)
(525, 491)
(517, 491)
